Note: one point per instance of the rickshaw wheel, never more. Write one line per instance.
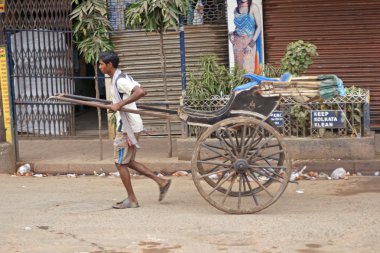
(239, 165)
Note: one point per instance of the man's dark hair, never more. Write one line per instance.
(109, 56)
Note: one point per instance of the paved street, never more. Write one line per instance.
(63, 214)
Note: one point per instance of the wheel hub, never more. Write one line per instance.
(241, 165)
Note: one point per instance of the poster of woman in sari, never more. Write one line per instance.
(246, 35)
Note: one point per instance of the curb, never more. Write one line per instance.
(364, 167)
(89, 168)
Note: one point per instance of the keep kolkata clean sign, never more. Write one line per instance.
(327, 119)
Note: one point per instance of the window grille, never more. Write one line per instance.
(199, 12)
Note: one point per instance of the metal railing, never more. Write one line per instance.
(296, 117)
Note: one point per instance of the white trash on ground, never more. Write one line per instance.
(213, 176)
(24, 169)
(180, 173)
(294, 176)
(323, 175)
(339, 173)
(115, 174)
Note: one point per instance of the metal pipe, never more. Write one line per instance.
(183, 55)
(184, 127)
(12, 96)
(18, 102)
(2, 126)
(95, 100)
(151, 75)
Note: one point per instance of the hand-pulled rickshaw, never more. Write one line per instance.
(240, 164)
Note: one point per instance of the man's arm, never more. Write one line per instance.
(137, 93)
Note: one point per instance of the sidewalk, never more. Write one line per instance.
(82, 156)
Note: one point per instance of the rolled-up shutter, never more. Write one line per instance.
(346, 32)
(140, 57)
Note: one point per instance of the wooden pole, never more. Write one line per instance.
(107, 107)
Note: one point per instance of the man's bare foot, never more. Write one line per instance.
(164, 190)
(126, 203)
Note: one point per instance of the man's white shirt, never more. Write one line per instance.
(125, 86)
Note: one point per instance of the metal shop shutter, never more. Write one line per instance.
(346, 32)
(140, 57)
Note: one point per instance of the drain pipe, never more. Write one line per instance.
(184, 129)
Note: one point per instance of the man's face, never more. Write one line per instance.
(105, 67)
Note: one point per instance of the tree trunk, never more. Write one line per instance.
(97, 95)
(163, 67)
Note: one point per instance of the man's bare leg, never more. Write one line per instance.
(142, 169)
(164, 184)
(126, 179)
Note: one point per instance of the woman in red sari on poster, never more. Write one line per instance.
(246, 39)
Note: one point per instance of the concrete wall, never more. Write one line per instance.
(308, 148)
(7, 158)
(331, 148)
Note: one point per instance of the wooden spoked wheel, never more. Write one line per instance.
(239, 165)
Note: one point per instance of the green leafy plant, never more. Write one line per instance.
(298, 57)
(235, 78)
(300, 114)
(354, 110)
(156, 16)
(91, 28)
(90, 32)
(212, 79)
(271, 70)
(354, 91)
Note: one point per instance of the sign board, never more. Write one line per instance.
(2, 6)
(277, 118)
(5, 94)
(327, 119)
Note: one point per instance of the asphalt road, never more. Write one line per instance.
(62, 214)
